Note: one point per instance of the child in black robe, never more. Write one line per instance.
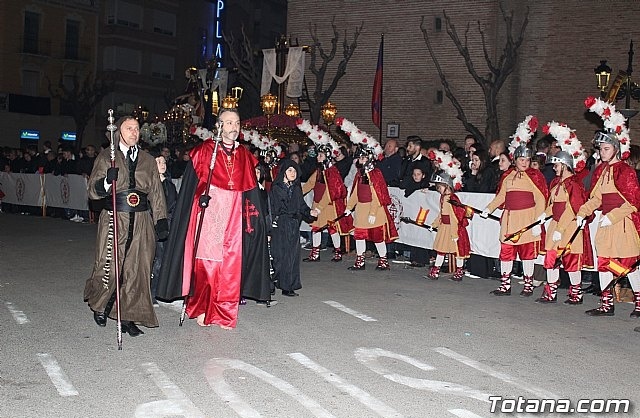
(288, 209)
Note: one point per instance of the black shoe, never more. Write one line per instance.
(634, 314)
(499, 292)
(289, 293)
(600, 312)
(130, 328)
(100, 318)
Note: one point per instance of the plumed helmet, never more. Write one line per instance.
(443, 177)
(522, 151)
(364, 151)
(606, 137)
(326, 149)
(563, 157)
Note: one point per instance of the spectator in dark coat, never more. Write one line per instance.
(482, 177)
(391, 164)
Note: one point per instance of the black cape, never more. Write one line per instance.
(256, 278)
(170, 278)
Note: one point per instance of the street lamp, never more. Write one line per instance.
(292, 110)
(328, 112)
(268, 103)
(603, 73)
(622, 88)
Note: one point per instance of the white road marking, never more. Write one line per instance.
(214, 372)
(18, 315)
(463, 413)
(363, 397)
(350, 311)
(540, 392)
(370, 358)
(177, 404)
(57, 376)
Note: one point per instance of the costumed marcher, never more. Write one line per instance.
(208, 271)
(522, 193)
(288, 209)
(566, 196)
(615, 191)
(256, 230)
(329, 193)
(170, 197)
(369, 199)
(452, 221)
(141, 217)
(271, 156)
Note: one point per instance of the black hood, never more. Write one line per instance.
(284, 165)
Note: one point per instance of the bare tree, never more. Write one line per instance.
(247, 63)
(81, 99)
(492, 82)
(320, 95)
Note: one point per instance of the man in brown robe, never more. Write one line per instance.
(141, 215)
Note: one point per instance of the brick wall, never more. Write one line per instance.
(564, 41)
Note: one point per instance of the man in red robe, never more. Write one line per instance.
(210, 278)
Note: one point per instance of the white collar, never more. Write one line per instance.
(124, 148)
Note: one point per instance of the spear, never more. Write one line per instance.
(515, 237)
(411, 221)
(203, 203)
(114, 219)
(476, 210)
(567, 248)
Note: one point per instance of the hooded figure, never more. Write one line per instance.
(288, 209)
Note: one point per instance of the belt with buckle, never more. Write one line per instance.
(129, 201)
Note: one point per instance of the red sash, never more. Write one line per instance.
(519, 200)
(611, 201)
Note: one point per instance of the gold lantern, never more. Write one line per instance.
(328, 112)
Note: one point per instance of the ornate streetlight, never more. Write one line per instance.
(292, 110)
(268, 103)
(328, 112)
(622, 88)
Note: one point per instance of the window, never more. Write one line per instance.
(31, 32)
(122, 59)
(439, 97)
(164, 23)
(72, 40)
(124, 14)
(162, 66)
(438, 24)
(30, 82)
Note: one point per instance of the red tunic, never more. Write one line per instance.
(218, 261)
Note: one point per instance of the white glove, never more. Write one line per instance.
(542, 218)
(455, 239)
(318, 210)
(536, 230)
(485, 213)
(372, 219)
(347, 212)
(579, 221)
(605, 221)
(557, 236)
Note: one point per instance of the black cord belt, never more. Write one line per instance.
(129, 201)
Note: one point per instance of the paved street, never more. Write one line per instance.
(354, 344)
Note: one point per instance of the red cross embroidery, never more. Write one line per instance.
(249, 211)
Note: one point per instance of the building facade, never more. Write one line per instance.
(42, 42)
(563, 43)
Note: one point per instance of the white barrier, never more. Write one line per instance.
(71, 192)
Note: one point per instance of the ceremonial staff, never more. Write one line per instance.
(476, 210)
(568, 246)
(203, 203)
(114, 220)
(411, 221)
(331, 222)
(515, 237)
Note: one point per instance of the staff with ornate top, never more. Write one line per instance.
(134, 217)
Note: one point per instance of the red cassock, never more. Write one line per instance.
(218, 262)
